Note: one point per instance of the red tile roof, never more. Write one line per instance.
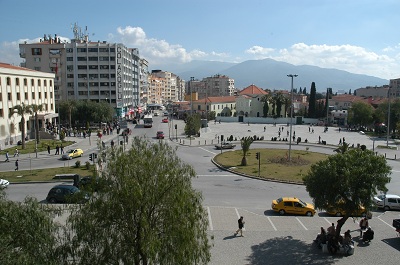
(252, 90)
(224, 99)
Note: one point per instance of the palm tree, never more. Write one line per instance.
(245, 143)
(342, 149)
(287, 102)
(70, 105)
(279, 99)
(21, 110)
(35, 110)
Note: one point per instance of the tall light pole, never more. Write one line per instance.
(191, 95)
(388, 122)
(291, 115)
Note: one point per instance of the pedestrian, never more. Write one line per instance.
(339, 129)
(312, 131)
(16, 165)
(265, 128)
(57, 150)
(241, 225)
(340, 141)
(319, 139)
(48, 149)
(7, 157)
(16, 152)
(363, 225)
(62, 149)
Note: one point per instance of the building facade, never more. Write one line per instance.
(24, 86)
(214, 86)
(85, 70)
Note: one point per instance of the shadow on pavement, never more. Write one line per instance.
(287, 250)
(230, 237)
(393, 242)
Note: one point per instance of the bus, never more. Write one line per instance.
(148, 121)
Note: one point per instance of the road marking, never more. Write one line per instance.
(207, 150)
(209, 218)
(385, 222)
(301, 223)
(327, 220)
(273, 226)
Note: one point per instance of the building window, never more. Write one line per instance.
(37, 59)
(93, 58)
(25, 82)
(40, 95)
(81, 49)
(112, 49)
(103, 49)
(103, 66)
(80, 59)
(51, 94)
(70, 59)
(26, 95)
(51, 82)
(1, 113)
(70, 75)
(93, 66)
(17, 81)
(69, 50)
(39, 82)
(82, 67)
(36, 51)
(45, 82)
(18, 96)
(92, 49)
(32, 82)
(9, 96)
(8, 81)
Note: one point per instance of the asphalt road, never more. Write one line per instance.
(269, 238)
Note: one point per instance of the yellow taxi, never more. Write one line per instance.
(337, 211)
(292, 205)
(72, 154)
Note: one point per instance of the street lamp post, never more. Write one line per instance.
(388, 122)
(291, 115)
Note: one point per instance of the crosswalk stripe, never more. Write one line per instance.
(301, 223)
(209, 218)
(273, 226)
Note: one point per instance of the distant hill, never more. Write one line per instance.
(272, 74)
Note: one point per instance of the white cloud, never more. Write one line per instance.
(259, 52)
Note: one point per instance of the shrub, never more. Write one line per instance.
(77, 164)
(87, 165)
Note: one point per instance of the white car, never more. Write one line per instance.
(387, 202)
(4, 183)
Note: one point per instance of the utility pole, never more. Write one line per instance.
(291, 116)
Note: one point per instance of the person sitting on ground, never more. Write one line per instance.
(331, 230)
(347, 238)
(321, 238)
(368, 235)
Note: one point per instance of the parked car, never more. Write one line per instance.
(292, 205)
(155, 113)
(166, 113)
(72, 154)
(387, 202)
(4, 183)
(160, 135)
(337, 211)
(165, 120)
(66, 194)
(225, 146)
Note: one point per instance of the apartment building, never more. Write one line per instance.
(213, 86)
(86, 70)
(373, 91)
(24, 86)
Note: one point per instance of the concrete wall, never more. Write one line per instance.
(266, 120)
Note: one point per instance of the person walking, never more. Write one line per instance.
(241, 225)
(62, 149)
(16, 165)
(48, 149)
(57, 150)
(16, 152)
(7, 157)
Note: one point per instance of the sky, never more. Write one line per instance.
(358, 36)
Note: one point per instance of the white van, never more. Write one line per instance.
(388, 201)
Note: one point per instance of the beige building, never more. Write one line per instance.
(24, 86)
(249, 103)
(214, 86)
(171, 90)
(222, 106)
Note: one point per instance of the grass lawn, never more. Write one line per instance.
(42, 146)
(46, 174)
(274, 163)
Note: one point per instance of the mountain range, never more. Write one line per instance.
(272, 74)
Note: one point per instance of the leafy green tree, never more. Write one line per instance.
(150, 214)
(312, 101)
(68, 107)
(382, 113)
(35, 110)
(279, 99)
(21, 110)
(27, 234)
(348, 179)
(342, 148)
(245, 143)
(361, 113)
(265, 99)
(193, 124)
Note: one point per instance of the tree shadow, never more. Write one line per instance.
(287, 250)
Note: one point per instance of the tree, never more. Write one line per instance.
(27, 234)
(312, 102)
(69, 106)
(193, 124)
(361, 113)
(21, 110)
(150, 214)
(245, 143)
(35, 110)
(279, 99)
(348, 179)
(266, 98)
(342, 148)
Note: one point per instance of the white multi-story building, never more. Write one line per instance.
(24, 86)
(214, 86)
(86, 70)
